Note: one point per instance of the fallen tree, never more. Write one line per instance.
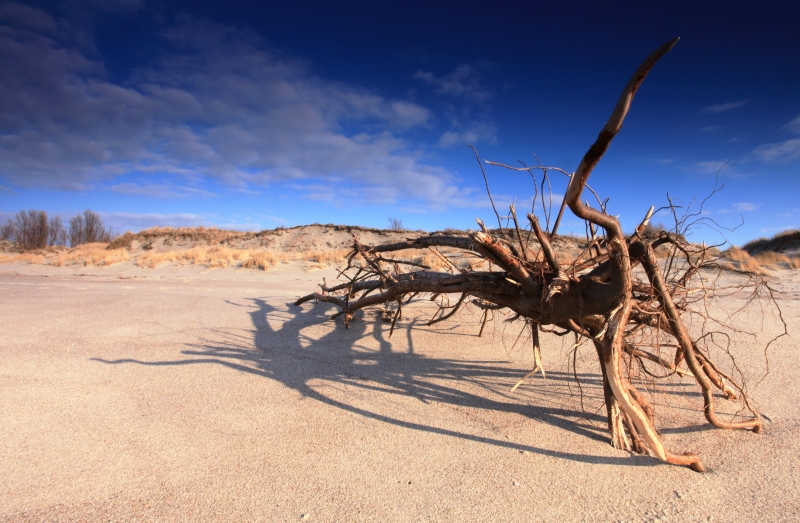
(635, 318)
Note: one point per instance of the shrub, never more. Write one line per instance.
(31, 229)
(395, 224)
(88, 228)
(90, 254)
(57, 234)
(261, 260)
(8, 230)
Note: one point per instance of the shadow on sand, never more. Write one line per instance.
(293, 356)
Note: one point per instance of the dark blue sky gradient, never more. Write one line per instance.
(392, 93)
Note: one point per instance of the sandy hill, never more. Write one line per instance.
(787, 242)
(301, 238)
(317, 245)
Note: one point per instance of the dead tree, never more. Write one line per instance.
(600, 295)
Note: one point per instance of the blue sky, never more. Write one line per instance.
(264, 114)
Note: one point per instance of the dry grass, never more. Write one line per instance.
(90, 254)
(86, 254)
(198, 234)
(761, 261)
(776, 259)
(264, 260)
(154, 259)
(742, 260)
(215, 256)
(34, 258)
(122, 242)
(218, 256)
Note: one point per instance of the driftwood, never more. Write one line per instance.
(598, 296)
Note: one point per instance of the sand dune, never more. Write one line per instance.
(185, 393)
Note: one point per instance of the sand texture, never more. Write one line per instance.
(189, 394)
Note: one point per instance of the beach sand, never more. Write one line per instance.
(189, 394)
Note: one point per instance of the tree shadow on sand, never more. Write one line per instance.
(290, 345)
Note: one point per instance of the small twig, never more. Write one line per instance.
(486, 180)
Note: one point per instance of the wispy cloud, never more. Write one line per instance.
(721, 108)
(794, 125)
(464, 82)
(746, 206)
(711, 128)
(781, 151)
(220, 106)
(160, 191)
(723, 168)
(773, 230)
(346, 195)
(708, 166)
(479, 132)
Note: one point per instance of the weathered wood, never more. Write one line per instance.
(595, 298)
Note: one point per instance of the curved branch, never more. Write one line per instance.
(598, 149)
(680, 333)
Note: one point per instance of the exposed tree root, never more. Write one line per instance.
(599, 295)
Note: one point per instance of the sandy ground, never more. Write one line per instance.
(186, 394)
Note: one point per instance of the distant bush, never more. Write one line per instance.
(56, 234)
(396, 224)
(88, 228)
(32, 230)
(8, 230)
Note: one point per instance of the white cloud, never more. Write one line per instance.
(464, 81)
(341, 194)
(794, 125)
(781, 151)
(165, 191)
(721, 108)
(405, 114)
(709, 167)
(711, 128)
(222, 106)
(723, 168)
(746, 206)
(479, 132)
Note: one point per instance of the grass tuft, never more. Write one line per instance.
(90, 254)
